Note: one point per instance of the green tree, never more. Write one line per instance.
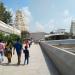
(14, 37)
(25, 34)
(5, 15)
(11, 37)
(1, 36)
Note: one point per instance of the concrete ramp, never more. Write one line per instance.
(63, 59)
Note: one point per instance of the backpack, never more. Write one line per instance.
(8, 47)
(26, 52)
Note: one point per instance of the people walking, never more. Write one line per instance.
(1, 51)
(18, 47)
(30, 43)
(26, 52)
(8, 51)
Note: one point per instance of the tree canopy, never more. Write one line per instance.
(5, 15)
(25, 34)
(10, 37)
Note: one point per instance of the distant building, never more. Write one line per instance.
(60, 31)
(72, 30)
(20, 21)
(38, 36)
(57, 35)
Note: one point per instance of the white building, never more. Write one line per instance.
(20, 21)
(72, 30)
(60, 31)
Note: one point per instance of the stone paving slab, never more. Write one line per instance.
(36, 66)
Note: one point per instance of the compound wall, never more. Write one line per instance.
(64, 60)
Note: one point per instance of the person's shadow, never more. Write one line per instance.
(6, 64)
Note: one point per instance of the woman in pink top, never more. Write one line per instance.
(1, 51)
(26, 43)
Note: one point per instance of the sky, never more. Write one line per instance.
(45, 15)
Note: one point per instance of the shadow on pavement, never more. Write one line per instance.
(6, 64)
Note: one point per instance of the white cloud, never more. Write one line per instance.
(11, 13)
(63, 22)
(53, 5)
(66, 13)
(27, 13)
(10, 10)
(39, 27)
(52, 25)
(67, 17)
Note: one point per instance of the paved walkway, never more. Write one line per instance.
(36, 66)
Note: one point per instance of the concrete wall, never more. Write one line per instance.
(9, 29)
(64, 60)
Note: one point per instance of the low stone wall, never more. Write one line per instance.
(64, 60)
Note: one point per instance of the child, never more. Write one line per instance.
(26, 52)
